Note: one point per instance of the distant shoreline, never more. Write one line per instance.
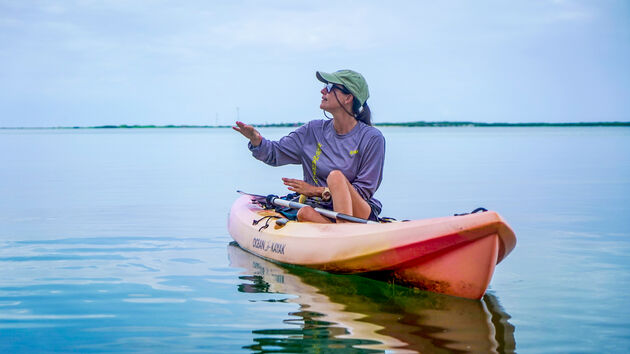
(405, 124)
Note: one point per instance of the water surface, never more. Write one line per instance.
(116, 240)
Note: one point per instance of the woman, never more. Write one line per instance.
(342, 158)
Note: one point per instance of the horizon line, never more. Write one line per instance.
(383, 124)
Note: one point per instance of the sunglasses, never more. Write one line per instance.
(331, 86)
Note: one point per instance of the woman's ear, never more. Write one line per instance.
(349, 98)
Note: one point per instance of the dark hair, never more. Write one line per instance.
(365, 115)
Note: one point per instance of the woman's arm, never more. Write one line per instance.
(275, 153)
(371, 168)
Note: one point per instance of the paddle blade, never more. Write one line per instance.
(255, 197)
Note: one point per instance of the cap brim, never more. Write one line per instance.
(326, 77)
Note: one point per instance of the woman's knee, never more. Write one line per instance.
(336, 177)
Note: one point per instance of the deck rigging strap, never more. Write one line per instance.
(480, 209)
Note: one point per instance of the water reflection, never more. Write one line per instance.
(356, 314)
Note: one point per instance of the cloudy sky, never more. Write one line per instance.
(83, 62)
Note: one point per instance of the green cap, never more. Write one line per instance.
(351, 80)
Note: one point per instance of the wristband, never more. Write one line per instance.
(326, 194)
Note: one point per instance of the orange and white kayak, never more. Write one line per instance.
(453, 255)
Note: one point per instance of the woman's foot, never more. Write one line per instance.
(307, 213)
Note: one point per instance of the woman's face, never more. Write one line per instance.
(329, 103)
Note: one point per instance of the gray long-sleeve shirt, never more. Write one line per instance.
(359, 155)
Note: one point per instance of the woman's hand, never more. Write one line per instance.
(299, 186)
(249, 132)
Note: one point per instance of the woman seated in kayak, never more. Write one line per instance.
(342, 158)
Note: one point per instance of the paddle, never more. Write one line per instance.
(295, 205)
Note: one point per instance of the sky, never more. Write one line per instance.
(89, 63)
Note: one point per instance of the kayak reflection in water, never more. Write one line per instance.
(355, 314)
(342, 157)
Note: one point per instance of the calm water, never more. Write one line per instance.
(116, 240)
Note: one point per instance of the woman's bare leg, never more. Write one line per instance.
(346, 199)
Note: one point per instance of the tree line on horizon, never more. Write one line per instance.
(384, 124)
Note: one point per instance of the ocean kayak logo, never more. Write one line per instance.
(268, 246)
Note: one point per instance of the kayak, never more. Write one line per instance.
(454, 255)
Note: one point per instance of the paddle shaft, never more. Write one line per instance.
(328, 213)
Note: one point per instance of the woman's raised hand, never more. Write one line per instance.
(249, 132)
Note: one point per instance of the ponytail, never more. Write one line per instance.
(362, 113)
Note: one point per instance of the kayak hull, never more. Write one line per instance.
(450, 255)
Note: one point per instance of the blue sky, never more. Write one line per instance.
(87, 62)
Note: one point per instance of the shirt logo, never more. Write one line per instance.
(353, 152)
(318, 152)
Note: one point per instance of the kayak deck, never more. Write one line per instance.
(450, 255)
